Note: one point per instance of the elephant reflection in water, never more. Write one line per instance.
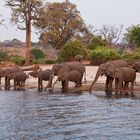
(102, 70)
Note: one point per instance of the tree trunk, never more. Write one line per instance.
(28, 43)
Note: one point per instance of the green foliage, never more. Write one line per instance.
(71, 49)
(37, 53)
(133, 35)
(19, 60)
(43, 61)
(60, 22)
(97, 41)
(132, 56)
(104, 53)
(3, 55)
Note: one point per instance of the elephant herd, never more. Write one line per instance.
(117, 70)
(68, 71)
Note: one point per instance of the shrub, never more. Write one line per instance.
(19, 60)
(96, 42)
(70, 50)
(37, 53)
(103, 54)
(4, 56)
(132, 56)
(43, 61)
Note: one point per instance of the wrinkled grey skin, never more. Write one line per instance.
(122, 74)
(4, 72)
(73, 76)
(66, 67)
(102, 71)
(19, 79)
(42, 75)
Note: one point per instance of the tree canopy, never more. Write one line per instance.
(60, 22)
(133, 35)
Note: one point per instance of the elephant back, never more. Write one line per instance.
(119, 63)
(76, 66)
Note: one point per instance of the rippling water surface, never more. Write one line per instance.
(29, 115)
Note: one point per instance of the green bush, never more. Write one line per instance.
(70, 50)
(103, 54)
(19, 60)
(132, 56)
(37, 53)
(43, 61)
(4, 56)
(96, 42)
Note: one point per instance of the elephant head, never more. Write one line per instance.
(101, 71)
(136, 66)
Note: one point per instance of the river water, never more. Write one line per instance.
(29, 115)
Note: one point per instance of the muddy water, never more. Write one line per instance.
(29, 115)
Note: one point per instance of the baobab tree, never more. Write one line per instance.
(24, 12)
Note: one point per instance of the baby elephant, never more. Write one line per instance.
(41, 75)
(19, 79)
(73, 76)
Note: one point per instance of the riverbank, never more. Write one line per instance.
(90, 74)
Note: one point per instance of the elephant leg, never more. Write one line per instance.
(15, 84)
(6, 82)
(116, 85)
(50, 82)
(39, 84)
(81, 80)
(120, 86)
(63, 85)
(109, 82)
(66, 86)
(126, 87)
(132, 88)
(106, 84)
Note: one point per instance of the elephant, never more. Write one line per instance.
(41, 75)
(102, 70)
(19, 79)
(6, 71)
(122, 74)
(136, 66)
(73, 76)
(79, 58)
(66, 67)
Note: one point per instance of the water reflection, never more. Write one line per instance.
(31, 115)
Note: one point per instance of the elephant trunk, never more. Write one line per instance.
(54, 84)
(94, 81)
